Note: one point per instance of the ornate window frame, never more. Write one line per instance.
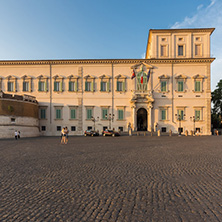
(122, 79)
(44, 79)
(73, 78)
(42, 107)
(198, 108)
(161, 108)
(164, 78)
(59, 79)
(183, 108)
(181, 78)
(200, 78)
(28, 79)
(89, 79)
(73, 107)
(92, 113)
(14, 80)
(123, 108)
(106, 79)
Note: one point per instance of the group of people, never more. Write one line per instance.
(17, 134)
(64, 135)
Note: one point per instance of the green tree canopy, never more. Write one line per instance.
(216, 116)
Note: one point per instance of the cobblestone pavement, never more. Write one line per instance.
(111, 179)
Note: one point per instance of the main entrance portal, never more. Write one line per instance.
(141, 119)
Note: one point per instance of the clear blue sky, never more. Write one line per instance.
(90, 29)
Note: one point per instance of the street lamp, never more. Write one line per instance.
(192, 118)
(110, 117)
(94, 121)
(179, 118)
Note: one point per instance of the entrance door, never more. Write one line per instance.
(141, 120)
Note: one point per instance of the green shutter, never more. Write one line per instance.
(73, 113)
(39, 86)
(197, 86)
(70, 86)
(55, 89)
(104, 113)
(164, 114)
(43, 113)
(61, 85)
(124, 85)
(92, 86)
(197, 114)
(58, 114)
(163, 86)
(86, 88)
(101, 85)
(89, 113)
(46, 85)
(107, 86)
(76, 86)
(120, 114)
(180, 86)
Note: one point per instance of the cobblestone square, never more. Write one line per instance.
(139, 178)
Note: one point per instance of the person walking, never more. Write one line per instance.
(63, 136)
(16, 134)
(66, 134)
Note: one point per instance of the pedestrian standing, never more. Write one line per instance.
(66, 134)
(16, 134)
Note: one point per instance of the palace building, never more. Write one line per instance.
(168, 90)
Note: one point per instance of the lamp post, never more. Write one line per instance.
(94, 121)
(109, 117)
(179, 118)
(192, 118)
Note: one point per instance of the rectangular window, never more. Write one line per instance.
(180, 86)
(197, 115)
(103, 86)
(88, 114)
(58, 128)
(73, 128)
(198, 50)
(163, 114)
(71, 86)
(105, 127)
(119, 86)
(180, 50)
(180, 114)
(88, 86)
(104, 113)
(42, 113)
(58, 113)
(10, 86)
(120, 128)
(25, 86)
(43, 128)
(89, 128)
(163, 50)
(163, 129)
(163, 86)
(72, 113)
(197, 86)
(120, 114)
(56, 86)
(42, 86)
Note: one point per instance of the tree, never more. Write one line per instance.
(216, 115)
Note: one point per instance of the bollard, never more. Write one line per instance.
(151, 133)
(158, 133)
(191, 133)
(138, 134)
(144, 134)
(130, 132)
(186, 132)
(170, 132)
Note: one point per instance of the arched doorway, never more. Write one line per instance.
(141, 119)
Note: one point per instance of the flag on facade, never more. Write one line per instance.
(148, 76)
(141, 78)
(133, 75)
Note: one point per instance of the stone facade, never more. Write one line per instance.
(171, 88)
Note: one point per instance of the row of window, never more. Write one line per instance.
(181, 114)
(72, 86)
(180, 86)
(89, 113)
(164, 50)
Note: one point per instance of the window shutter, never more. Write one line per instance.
(107, 86)
(92, 86)
(101, 85)
(24, 89)
(117, 85)
(124, 85)
(73, 113)
(76, 85)
(61, 89)
(69, 85)
(55, 89)
(86, 88)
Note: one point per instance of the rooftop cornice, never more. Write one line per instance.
(104, 61)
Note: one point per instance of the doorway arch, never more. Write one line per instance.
(142, 119)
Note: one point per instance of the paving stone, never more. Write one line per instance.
(111, 179)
